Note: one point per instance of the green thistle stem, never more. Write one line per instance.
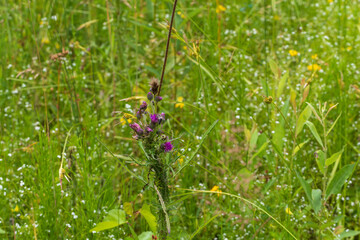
(161, 182)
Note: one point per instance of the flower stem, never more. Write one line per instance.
(167, 46)
(161, 181)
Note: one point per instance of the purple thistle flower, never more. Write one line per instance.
(136, 127)
(154, 118)
(168, 147)
(148, 129)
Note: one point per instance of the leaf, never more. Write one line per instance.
(2, 231)
(104, 225)
(87, 24)
(316, 199)
(261, 149)
(203, 137)
(349, 233)
(149, 217)
(339, 179)
(146, 236)
(282, 84)
(335, 157)
(254, 138)
(320, 160)
(274, 68)
(304, 116)
(314, 132)
(115, 218)
(298, 147)
(314, 111)
(116, 215)
(128, 208)
(306, 186)
(332, 126)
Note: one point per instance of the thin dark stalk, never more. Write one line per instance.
(167, 46)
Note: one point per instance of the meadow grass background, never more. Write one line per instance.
(225, 58)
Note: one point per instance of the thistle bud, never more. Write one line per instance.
(143, 106)
(158, 98)
(150, 96)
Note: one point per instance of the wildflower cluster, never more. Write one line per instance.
(150, 124)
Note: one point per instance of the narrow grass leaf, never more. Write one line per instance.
(332, 126)
(202, 226)
(314, 111)
(298, 147)
(246, 201)
(314, 132)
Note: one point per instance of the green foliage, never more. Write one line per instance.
(116, 217)
(149, 217)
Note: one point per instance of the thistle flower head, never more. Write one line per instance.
(154, 118)
(136, 127)
(167, 146)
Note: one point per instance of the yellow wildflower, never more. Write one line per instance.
(181, 14)
(288, 211)
(45, 40)
(216, 189)
(181, 160)
(330, 1)
(276, 17)
(16, 209)
(314, 67)
(315, 56)
(349, 48)
(179, 103)
(293, 53)
(220, 8)
(124, 120)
